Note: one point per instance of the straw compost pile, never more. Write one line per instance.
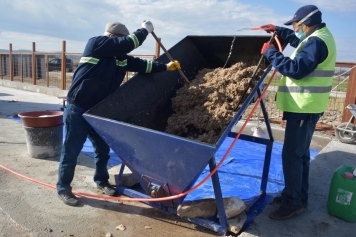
(204, 109)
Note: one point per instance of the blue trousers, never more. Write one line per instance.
(296, 160)
(77, 129)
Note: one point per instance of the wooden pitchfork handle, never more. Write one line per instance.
(169, 56)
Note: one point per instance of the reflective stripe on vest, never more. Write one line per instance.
(148, 66)
(135, 40)
(311, 93)
(121, 63)
(92, 60)
(88, 60)
(306, 89)
(320, 73)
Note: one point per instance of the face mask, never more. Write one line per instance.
(300, 34)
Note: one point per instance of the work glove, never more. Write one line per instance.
(147, 25)
(269, 28)
(265, 47)
(173, 65)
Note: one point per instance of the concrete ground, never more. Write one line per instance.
(30, 209)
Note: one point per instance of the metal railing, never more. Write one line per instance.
(45, 68)
(49, 70)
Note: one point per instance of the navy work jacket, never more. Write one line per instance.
(94, 82)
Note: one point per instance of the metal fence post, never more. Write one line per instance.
(10, 63)
(21, 68)
(46, 69)
(63, 66)
(33, 63)
(1, 69)
(350, 95)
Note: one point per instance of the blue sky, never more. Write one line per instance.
(48, 22)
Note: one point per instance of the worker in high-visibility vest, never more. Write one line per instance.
(302, 95)
(101, 70)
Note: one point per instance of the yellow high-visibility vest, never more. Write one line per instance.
(311, 93)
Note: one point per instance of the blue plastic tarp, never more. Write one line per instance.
(239, 175)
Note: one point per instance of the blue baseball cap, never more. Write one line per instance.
(309, 15)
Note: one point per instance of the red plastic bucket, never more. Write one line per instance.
(41, 119)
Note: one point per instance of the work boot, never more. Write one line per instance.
(107, 188)
(279, 199)
(283, 213)
(68, 197)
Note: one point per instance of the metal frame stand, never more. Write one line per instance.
(218, 225)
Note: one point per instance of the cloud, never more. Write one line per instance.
(173, 20)
(346, 6)
(49, 22)
(42, 42)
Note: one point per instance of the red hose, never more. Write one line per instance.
(174, 196)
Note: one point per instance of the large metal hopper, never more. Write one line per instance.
(132, 120)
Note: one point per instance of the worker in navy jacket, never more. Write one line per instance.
(101, 70)
(303, 94)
